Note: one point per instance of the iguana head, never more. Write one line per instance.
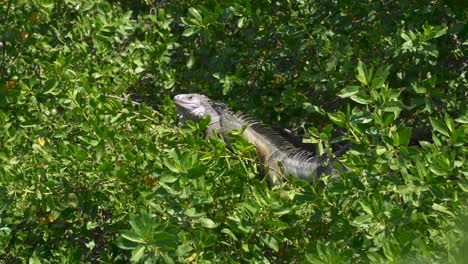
(194, 107)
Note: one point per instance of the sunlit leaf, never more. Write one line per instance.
(206, 222)
(195, 13)
(441, 208)
(190, 31)
(462, 119)
(362, 99)
(362, 75)
(393, 106)
(138, 253)
(229, 233)
(348, 91)
(366, 207)
(439, 126)
(183, 249)
(270, 241)
(132, 236)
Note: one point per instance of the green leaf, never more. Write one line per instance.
(167, 259)
(282, 211)
(382, 73)
(349, 91)
(229, 233)
(421, 168)
(362, 99)
(428, 103)
(338, 118)
(426, 144)
(366, 207)
(362, 75)
(137, 254)
(240, 22)
(440, 32)
(132, 236)
(417, 88)
(439, 126)
(449, 122)
(251, 206)
(361, 118)
(270, 241)
(50, 87)
(206, 222)
(404, 135)
(362, 221)
(463, 186)
(72, 200)
(87, 6)
(462, 119)
(113, 120)
(34, 259)
(405, 36)
(190, 62)
(195, 14)
(217, 75)
(190, 31)
(441, 208)
(165, 240)
(168, 179)
(377, 83)
(183, 249)
(171, 165)
(125, 244)
(227, 87)
(139, 69)
(393, 106)
(143, 224)
(320, 148)
(438, 169)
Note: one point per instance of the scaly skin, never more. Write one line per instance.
(281, 157)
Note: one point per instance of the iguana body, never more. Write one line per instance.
(272, 148)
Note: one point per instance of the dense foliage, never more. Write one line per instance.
(88, 178)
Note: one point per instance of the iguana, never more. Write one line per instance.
(281, 156)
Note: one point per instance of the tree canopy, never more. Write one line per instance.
(86, 178)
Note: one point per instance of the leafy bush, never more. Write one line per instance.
(88, 178)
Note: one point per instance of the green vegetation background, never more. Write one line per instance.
(87, 178)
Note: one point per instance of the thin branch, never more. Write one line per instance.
(123, 98)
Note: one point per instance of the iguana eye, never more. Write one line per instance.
(190, 97)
